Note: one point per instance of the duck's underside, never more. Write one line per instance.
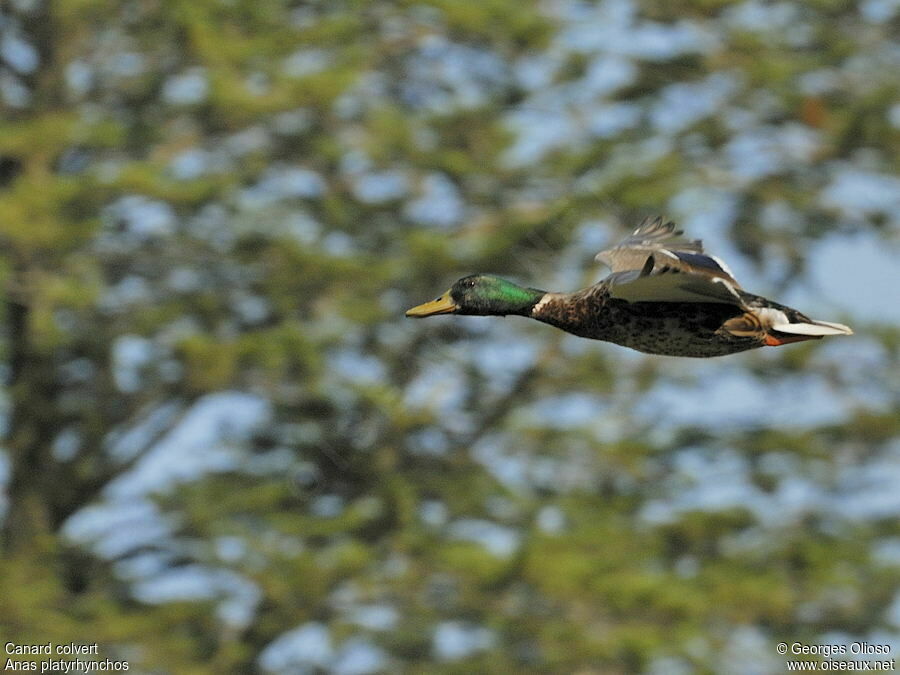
(669, 328)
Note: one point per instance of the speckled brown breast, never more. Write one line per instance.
(670, 328)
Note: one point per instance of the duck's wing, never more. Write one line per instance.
(655, 264)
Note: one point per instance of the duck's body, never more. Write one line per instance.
(664, 297)
(670, 328)
(673, 328)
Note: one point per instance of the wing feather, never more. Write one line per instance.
(660, 241)
(632, 286)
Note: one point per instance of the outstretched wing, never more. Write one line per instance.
(655, 264)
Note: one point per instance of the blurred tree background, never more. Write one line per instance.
(228, 451)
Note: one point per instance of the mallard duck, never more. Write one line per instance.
(664, 296)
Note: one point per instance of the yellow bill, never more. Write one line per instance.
(443, 305)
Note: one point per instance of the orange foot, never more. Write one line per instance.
(773, 341)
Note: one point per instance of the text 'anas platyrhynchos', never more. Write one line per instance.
(664, 296)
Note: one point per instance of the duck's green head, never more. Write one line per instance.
(482, 295)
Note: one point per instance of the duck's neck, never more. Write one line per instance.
(578, 313)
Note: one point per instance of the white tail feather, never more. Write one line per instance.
(817, 328)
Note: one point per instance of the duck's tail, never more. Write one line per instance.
(785, 332)
(813, 328)
(780, 325)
